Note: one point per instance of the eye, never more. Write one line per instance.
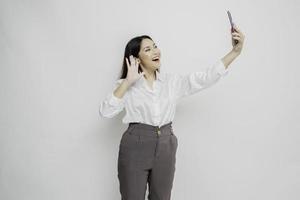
(147, 49)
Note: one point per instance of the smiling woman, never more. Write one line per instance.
(146, 53)
(147, 151)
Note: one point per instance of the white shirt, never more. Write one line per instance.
(157, 107)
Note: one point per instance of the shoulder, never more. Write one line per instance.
(171, 79)
(171, 76)
(167, 75)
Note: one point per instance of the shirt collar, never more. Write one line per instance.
(159, 76)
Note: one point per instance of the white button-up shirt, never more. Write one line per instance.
(157, 106)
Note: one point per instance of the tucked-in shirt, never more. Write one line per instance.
(157, 105)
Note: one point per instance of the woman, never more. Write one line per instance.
(147, 150)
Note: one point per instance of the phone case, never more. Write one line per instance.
(232, 24)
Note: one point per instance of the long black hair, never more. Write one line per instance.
(132, 48)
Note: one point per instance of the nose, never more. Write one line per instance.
(156, 52)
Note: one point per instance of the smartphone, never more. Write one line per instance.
(232, 24)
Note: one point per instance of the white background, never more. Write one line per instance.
(238, 139)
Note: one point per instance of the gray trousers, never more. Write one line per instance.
(147, 156)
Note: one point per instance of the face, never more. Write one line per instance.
(149, 55)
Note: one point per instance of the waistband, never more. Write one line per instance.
(149, 126)
(147, 129)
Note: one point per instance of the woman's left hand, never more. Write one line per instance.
(237, 35)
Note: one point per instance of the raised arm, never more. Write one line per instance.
(191, 83)
(114, 101)
(194, 82)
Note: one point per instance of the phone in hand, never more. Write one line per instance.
(232, 24)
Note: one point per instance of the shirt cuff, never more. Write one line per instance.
(115, 101)
(221, 68)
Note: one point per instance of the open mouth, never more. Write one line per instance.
(156, 60)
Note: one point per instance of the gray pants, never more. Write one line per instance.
(147, 155)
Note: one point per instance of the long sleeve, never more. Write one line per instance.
(112, 105)
(191, 83)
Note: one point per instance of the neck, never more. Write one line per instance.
(149, 74)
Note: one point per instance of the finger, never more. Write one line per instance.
(237, 38)
(135, 67)
(131, 59)
(136, 64)
(237, 29)
(134, 61)
(127, 63)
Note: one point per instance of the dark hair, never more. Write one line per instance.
(132, 48)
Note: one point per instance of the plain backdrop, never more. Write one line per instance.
(238, 139)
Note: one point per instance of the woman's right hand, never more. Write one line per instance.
(132, 70)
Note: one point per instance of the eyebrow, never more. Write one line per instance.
(149, 46)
